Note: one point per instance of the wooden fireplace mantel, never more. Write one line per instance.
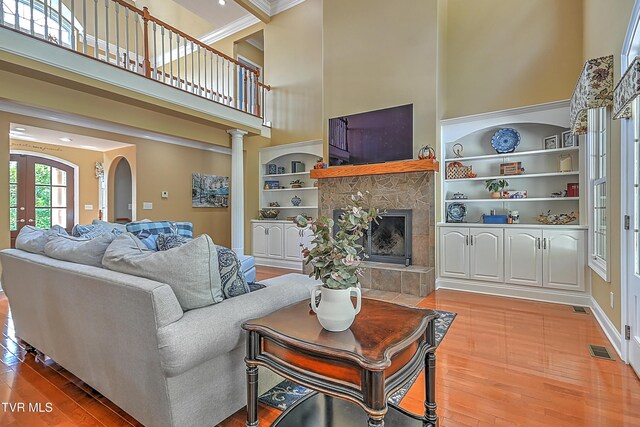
(377, 169)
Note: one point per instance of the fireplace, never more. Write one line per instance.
(388, 240)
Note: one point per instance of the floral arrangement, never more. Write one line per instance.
(336, 260)
(495, 185)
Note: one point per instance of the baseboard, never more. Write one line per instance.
(279, 263)
(609, 329)
(515, 291)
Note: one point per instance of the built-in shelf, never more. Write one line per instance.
(278, 175)
(519, 153)
(289, 207)
(292, 189)
(508, 177)
(526, 199)
(536, 225)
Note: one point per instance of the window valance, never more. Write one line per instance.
(627, 89)
(594, 89)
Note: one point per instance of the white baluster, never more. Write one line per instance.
(106, 31)
(126, 42)
(117, 6)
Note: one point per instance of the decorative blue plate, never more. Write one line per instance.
(505, 140)
(456, 212)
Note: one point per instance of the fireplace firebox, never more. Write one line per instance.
(388, 240)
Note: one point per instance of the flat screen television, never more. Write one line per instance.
(373, 137)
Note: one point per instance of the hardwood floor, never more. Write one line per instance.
(504, 362)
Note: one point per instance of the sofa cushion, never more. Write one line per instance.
(93, 230)
(233, 281)
(121, 228)
(191, 269)
(80, 250)
(33, 239)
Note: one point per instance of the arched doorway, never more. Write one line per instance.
(41, 193)
(121, 183)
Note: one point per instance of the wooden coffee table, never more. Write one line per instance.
(385, 347)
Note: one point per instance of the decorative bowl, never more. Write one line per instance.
(269, 213)
(557, 219)
(456, 212)
(505, 140)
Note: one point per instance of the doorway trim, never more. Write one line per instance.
(76, 173)
(630, 49)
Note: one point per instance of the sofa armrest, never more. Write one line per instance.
(207, 332)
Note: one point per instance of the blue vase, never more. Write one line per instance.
(295, 201)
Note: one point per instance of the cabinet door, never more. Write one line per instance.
(275, 239)
(486, 258)
(292, 242)
(454, 252)
(259, 240)
(523, 256)
(307, 238)
(563, 266)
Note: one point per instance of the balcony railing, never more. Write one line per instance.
(120, 34)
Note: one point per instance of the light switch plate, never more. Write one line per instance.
(165, 194)
(88, 207)
(147, 205)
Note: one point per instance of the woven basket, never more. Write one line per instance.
(456, 170)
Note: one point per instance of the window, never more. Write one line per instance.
(598, 190)
(44, 15)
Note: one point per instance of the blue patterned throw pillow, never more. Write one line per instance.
(148, 231)
(233, 280)
(93, 230)
(165, 242)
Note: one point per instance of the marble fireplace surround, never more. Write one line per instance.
(410, 190)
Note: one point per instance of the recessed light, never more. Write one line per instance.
(222, 2)
(19, 129)
(66, 139)
(88, 147)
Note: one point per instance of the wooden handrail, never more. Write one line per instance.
(199, 43)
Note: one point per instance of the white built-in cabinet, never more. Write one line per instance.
(529, 259)
(472, 253)
(549, 258)
(279, 243)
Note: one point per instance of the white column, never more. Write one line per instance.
(237, 190)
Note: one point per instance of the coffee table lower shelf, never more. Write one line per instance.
(320, 410)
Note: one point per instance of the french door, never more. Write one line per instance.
(41, 193)
(633, 245)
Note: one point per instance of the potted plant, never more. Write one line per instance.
(495, 187)
(296, 183)
(336, 262)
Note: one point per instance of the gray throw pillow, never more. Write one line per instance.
(120, 228)
(191, 269)
(79, 249)
(32, 239)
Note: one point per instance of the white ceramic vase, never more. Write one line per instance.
(335, 311)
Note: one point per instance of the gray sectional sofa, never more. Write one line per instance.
(128, 337)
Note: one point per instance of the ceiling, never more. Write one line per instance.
(48, 136)
(208, 20)
(214, 13)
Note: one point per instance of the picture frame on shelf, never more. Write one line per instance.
(568, 140)
(550, 142)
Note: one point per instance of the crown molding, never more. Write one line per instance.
(263, 5)
(278, 6)
(229, 29)
(256, 44)
(102, 125)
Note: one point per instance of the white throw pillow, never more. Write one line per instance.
(191, 269)
(77, 249)
(33, 239)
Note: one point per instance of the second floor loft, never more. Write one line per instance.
(139, 53)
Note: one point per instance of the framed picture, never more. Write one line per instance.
(209, 191)
(550, 142)
(567, 139)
